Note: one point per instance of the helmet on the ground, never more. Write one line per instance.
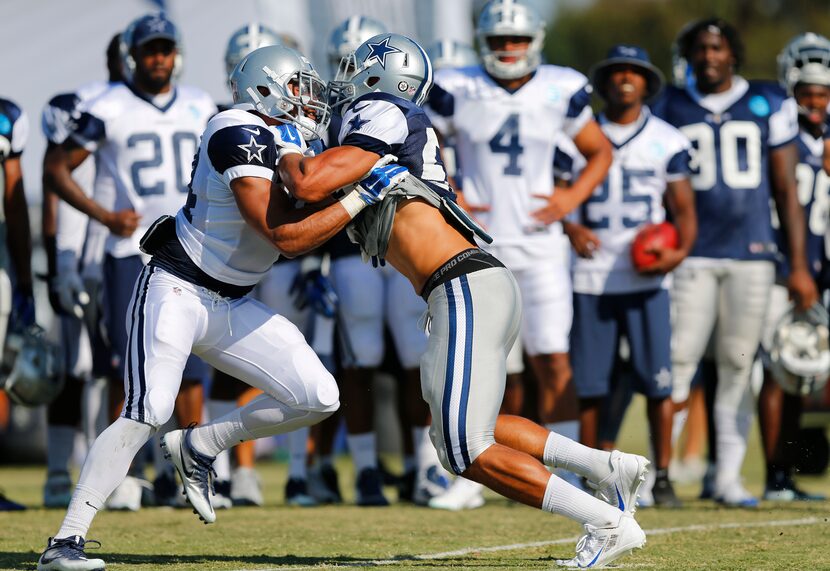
(36, 376)
(800, 352)
(805, 59)
(510, 18)
(451, 53)
(346, 37)
(279, 82)
(245, 40)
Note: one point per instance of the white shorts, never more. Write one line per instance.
(169, 318)
(275, 291)
(369, 298)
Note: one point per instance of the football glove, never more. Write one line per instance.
(313, 288)
(67, 294)
(374, 186)
(23, 311)
(288, 140)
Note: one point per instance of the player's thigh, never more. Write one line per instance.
(779, 304)
(594, 340)
(474, 319)
(275, 291)
(547, 306)
(515, 357)
(120, 277)
(648, 328)
(165, 318)
(404, 310)
(266, 351)
(359, 288)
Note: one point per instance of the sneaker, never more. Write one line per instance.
(663, 495)
(67, 554)
(323, 485)
(222, 499)
(166, 491)
(433, 482)
(245, 487)
(127, 496)
(687, 471)
(463, 494)
(406, 486)
(57, 491)
(195, 471)
(7, 505)
(621, 487)
(296, 493)
(369, 491)
(782, 488)
(602, 545)
(735, 495)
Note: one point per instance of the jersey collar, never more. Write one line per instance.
(719, 102)
(641, 123)
(149, 99)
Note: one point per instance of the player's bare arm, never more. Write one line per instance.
(784, 191)
(314, 178)
(17, 218)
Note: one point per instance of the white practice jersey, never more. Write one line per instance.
(505, 143)
(145, 150)
(648, 154)
(210, 227)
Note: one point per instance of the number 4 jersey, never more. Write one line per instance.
(732, 134)
(145, 149)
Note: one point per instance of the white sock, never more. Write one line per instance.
(732, 432)
(563, 499)
(562, 452)
(263, 416)
(298, 453)
(425, 453)
(218, 409)
(105, 467)
(60, 443)
(364, 450)
(678, 424)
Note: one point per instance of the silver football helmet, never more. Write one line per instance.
(346, 38)
(245, 40)
(510, 18)
(388, 63)
(800, 353)
(451, 53)
(805, 59)
(36, 375)
(281, 83)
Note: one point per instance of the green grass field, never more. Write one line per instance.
(499, 536)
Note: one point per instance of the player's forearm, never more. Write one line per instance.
(595, 171)
(57, 176)
(301, 230)
(681, 201)
(19, 235)
(790, 212)
(312, 179)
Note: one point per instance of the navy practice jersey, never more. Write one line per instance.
(732, 134)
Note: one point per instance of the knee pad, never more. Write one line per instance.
(158, 405)
(322, 393)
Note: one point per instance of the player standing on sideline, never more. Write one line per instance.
(73, 244)
(17, 308)
(473, 300)
(144, 133)
(803, 70)
(192, 298)
(507, 116)
(743, 134)
(611, 297)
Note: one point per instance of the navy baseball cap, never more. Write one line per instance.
(630, 55)
(151, 27)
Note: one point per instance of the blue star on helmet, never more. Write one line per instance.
(253, 150)
(356, 122)
(378, 51)
(157, 25)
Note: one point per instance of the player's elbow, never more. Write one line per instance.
(289, 243)
(308, 191)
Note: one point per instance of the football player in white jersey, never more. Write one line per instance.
(192, 298)
(507, 115)
(17, 308)
(473, 300)
(611, 297)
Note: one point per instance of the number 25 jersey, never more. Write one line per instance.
(732, 134)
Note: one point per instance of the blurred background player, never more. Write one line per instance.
(144, 133)
(804, 73)
(506, 127)
(17, 308)
(743, 134)
(74, 249)
(613, 298)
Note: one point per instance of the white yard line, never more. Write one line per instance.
(560, 541)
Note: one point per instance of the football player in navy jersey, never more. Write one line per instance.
(804, 72)
(473, 300)
(743, 137)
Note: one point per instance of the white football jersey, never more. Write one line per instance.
(210, 227)
(146, 150)
(648, 154)
(505, 143)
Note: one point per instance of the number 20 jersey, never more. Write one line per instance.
(145, 150)
(732, 134)
(505, 142)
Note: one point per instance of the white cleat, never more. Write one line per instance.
(622, 486)
(195, 471)
(463, 494)
(430, 483)
(127, 496)
(734, 495)
(602, 545)
(67, 554)
(246, 489)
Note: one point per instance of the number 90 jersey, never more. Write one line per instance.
(143, 150)
(505, 142)
(732, 134)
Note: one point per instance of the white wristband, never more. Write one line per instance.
(352, 203)
(282, 151)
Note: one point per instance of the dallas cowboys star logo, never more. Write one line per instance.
(663, 378)
(253, 150)
(380, 50)
(356, 122)
(157, 25)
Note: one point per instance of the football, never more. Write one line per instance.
(652, 236)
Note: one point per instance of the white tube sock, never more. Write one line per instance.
(298, 453)
(364, 450)
(562, 452)
(564, 499)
